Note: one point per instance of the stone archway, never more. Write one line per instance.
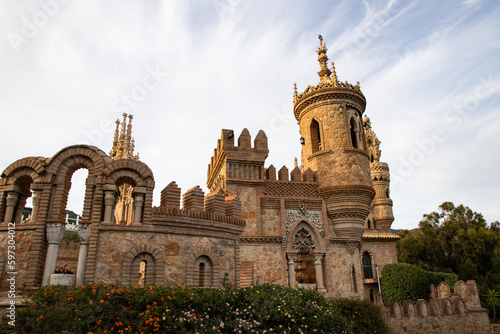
(304, 258)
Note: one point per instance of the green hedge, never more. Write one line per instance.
(401, 281)
(172, 309)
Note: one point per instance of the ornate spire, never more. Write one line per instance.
(335, 80)
(124, 145)
(294, 92)
(324, 73)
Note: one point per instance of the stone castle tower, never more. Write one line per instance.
(334, 147)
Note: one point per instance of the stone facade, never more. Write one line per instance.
(325, 222)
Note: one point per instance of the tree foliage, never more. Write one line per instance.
(458, 240)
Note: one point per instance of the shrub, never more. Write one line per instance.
(401, 281)
(172, 309)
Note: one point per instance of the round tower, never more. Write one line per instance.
(382, 203)
(334, 147)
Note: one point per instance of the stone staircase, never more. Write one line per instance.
(246, 274)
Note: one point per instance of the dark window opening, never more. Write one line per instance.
(367, 265)
(315, 136)
(201, 282)
(353, 128)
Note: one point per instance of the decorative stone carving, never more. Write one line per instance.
(303, 240)
(84, 235)
(54, 232)
(313, 215)
(12, 198)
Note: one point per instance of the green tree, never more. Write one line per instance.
(455, 239)
(492, 297)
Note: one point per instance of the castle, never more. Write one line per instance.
(324, 224)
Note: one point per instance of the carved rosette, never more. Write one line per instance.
(54, 232)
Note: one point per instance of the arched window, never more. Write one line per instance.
(387, 193)
(353, 131)
(203, 271)
(315, 136)
(369, 224)
(367, 265)
(201, 278)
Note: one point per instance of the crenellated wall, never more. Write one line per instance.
(445, 312)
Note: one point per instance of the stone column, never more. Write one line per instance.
(84, 234)
(109, 203)
(21, 203)
(318, 268)
(138, 202)
(36, 205)
(291, 269)
(55, 233)
(12, 198)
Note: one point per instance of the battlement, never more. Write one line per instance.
(237, 162)
(195, 204)
(445, 312)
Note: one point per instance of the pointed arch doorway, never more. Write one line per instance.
(304, 261)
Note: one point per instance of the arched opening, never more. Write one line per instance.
(201, 278)
(386, 192)
(23, 207)
(124, 208)
(353, 132)
(315, 135)
(76, 198)
(304, 244)
(367, 265)
(203, 271)
(369, 225)
(142, 273)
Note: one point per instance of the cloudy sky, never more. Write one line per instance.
(187, 69)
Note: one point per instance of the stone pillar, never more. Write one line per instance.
(138, 202)
(84, 235)
(55, 233)
(318, 268)
(21, 203)
(291, 269)
(109, 203)
(36, 205)
(12, 198)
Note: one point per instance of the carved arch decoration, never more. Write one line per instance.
(211, 259)
(155, 266)
(303, 240)
(309, 234)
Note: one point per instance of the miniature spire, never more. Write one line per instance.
(295, 163)
(324, 73)
(334, 76)
(294, 92)
(124, 144)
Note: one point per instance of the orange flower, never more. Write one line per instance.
(102, 301)
(91, 302)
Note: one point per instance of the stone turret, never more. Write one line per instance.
(382, 203)
(334, 148)
(241, 164)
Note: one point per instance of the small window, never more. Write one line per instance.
(353, 130)
(315, 136)
(201, 282)
(367, 265)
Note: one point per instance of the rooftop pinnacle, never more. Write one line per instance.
(324, 73)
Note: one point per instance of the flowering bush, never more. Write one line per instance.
(173, 309)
